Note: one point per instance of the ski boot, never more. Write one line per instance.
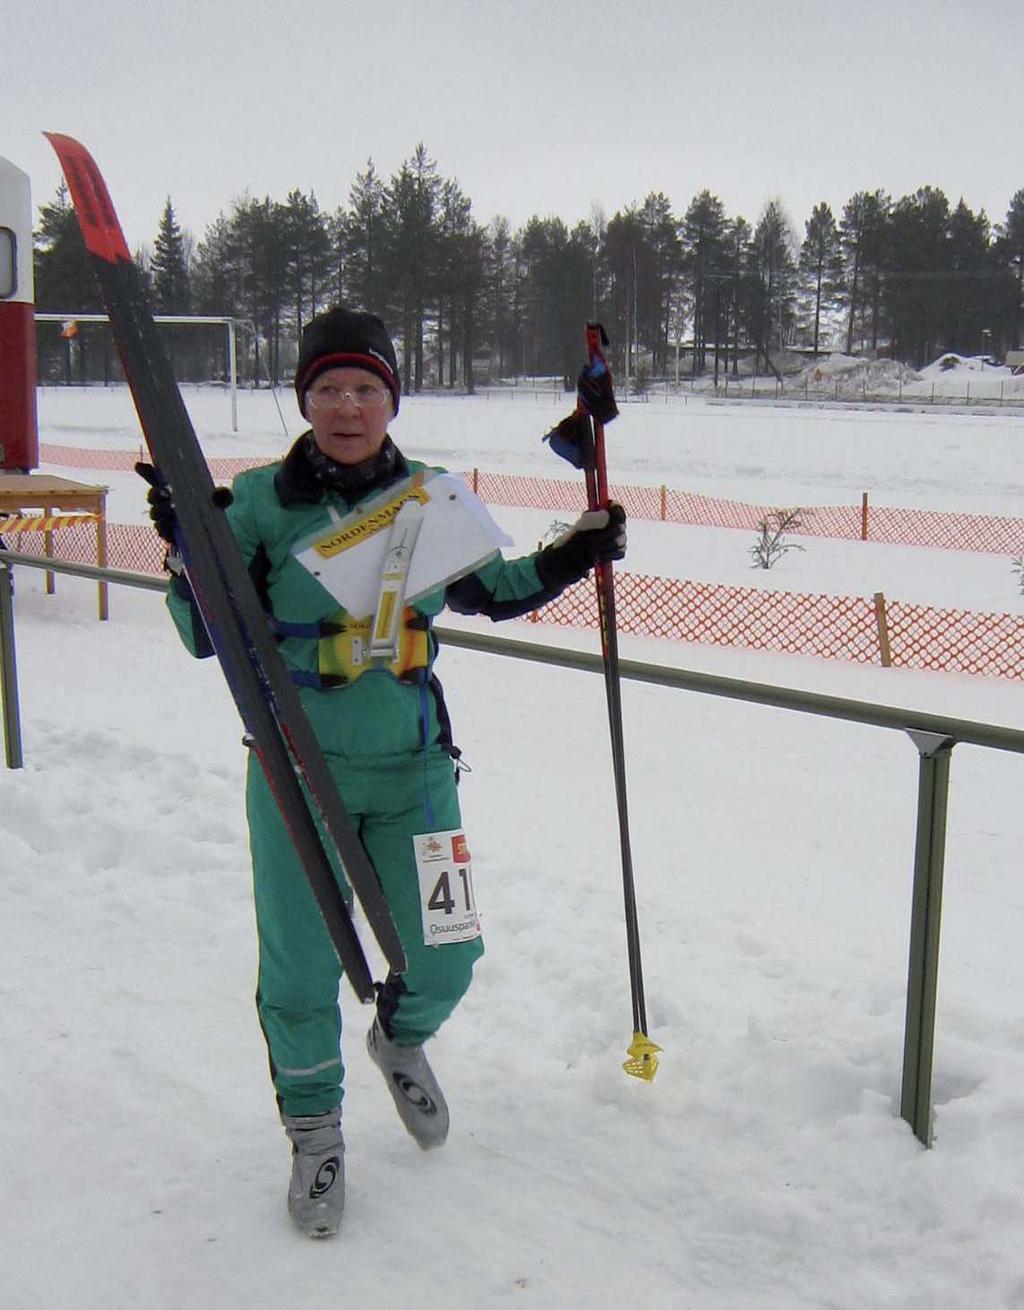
(414, 1089)
(316, 1192)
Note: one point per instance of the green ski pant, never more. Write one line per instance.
(390, 801)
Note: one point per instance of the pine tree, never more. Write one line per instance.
(556, 289)
(820, 265)
(64, 280)
(738, 237)
(704, 235)
(772, 267)
(255, 254)
(65, 283)
(459, 284)
(216, 289)
(360, 243)
(656, 307)
(1010, 255)
(625, 258)
(409, 209)
(498, 305)
(916, 289)
(971, 297)
(307, 253)
(864, 234)
(454, 221)
(170, 283)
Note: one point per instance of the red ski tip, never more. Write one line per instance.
(97, 218)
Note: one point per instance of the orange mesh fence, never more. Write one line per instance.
(905, 527)
(123, 461)
(71, 457)
(956, 641)
(831, 627)
(924, 527)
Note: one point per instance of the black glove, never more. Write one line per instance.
(594, 388)
(161, 502)
(597, 535)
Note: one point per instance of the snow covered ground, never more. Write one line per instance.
(767, 1166)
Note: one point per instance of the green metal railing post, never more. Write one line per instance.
(935, 753)
(9, 671)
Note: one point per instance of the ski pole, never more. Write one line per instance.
(642, 1061)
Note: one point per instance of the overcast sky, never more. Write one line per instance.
(540, 106)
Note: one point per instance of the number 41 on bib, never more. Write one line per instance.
(447, 903)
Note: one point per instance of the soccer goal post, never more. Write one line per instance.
(184, 319)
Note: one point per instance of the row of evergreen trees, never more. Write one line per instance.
(915, 275)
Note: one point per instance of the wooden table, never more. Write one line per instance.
(40, 491)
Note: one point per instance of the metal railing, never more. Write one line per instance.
(933, 736)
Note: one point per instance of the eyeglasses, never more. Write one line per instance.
(365, 395)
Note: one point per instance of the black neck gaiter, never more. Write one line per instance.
(350, 480)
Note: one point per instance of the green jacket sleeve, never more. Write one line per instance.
(501, 589)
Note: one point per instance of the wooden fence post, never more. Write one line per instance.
(475, 481)
(882, 624)
(664, 495)
(864, 517)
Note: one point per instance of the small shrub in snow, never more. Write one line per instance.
(769, 547)
(556, 528)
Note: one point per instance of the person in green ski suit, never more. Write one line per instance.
(385, 732)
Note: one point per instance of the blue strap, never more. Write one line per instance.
(283, 628)
(302, 678)
(424, 722)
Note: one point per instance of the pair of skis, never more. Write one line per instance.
(268, 702)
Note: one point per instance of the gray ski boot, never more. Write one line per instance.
(316, 1192)
(418, 1098)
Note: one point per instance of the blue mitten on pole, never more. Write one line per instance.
(595, 394)
(573, 438)
(598, 536)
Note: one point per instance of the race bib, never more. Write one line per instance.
(447, 902)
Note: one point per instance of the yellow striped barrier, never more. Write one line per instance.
(43, 522)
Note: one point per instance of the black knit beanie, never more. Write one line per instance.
(345, 338)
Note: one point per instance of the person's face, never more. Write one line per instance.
(349, 410)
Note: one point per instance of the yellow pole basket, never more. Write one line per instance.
(643, 1058)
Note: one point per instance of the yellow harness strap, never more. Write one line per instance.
(345, 652)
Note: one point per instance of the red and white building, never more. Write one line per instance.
(19, 439)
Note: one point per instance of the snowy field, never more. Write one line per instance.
(141, 1160)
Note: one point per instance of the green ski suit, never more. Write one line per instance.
(388, 744)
